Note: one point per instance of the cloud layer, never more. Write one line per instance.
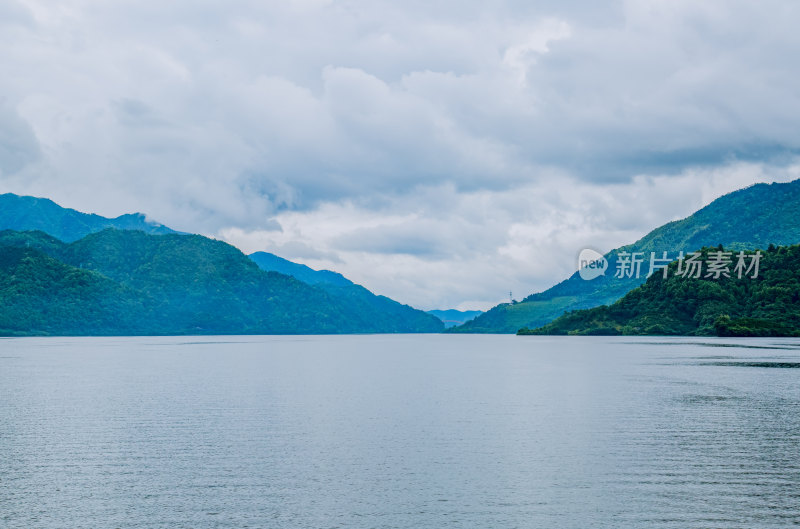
(442, 153)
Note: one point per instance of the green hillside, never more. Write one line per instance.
(767, 305)
(131, 282)
(41, 295)
(749, 218)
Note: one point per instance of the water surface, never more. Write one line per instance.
(442, 431)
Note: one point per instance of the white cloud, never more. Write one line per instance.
(442, 247)
(18, 145)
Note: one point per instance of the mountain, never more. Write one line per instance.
(766, 304)
(24, 213)
(365, 312)
(40, 295)
(452, 317)
(273, 263)
(130, 282)
(383, 312)
(753, 217)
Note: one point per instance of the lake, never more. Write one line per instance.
(399, 431)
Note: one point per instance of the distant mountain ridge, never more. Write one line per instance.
(753, 217)
(25, 213)
(129, 282)
(452, 317)
(271, 262)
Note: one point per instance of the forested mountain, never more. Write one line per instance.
(753, 217)
(766, 303)
(23, 213)
(147, 265)
(131, 282)
(40, 295)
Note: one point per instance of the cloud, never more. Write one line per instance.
(13, 13)
(446, 247)
(18, 145)
(448, 137)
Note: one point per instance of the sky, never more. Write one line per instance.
(442, 153)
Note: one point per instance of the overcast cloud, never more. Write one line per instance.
(441, 153)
